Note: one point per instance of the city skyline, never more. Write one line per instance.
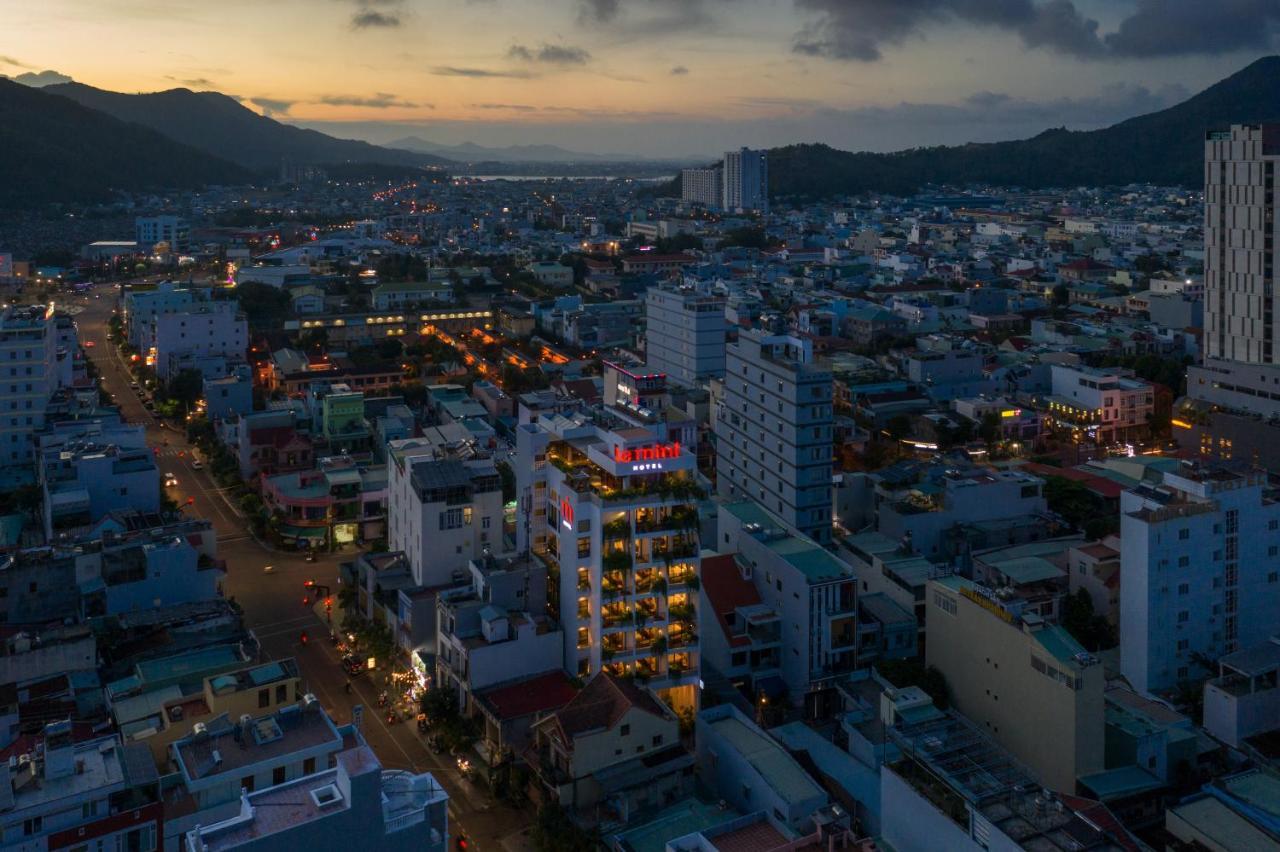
(655, 78)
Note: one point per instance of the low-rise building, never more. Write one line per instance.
(1244, 699)
(612, 751)
(751, 771)
(67, 794)
(412, 294)
(1018, 677)
(353, 805)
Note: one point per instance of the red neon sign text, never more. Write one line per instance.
(650, 453)
(566, 512)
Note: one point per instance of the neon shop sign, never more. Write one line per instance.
(647, 458)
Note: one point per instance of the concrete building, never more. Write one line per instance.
(411, 294)
(172, 230)
(746, 181)
(213, 328)
(495, 628)
(703, 187)
(229, 395)
(773, 431)
(1201, 575)
(28, 378)
(95, 793)
(355, 804)
(612, 751)
(685, 334)
(814, 594)
(83, 482)
(1244, 699)
(1100, 406)
(952, 787)
(442, 512)
(142, 306)
(612, 512)
(552, 274)
(1025, 682)
(751, 771)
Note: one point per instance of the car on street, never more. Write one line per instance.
(196, 464)
(170, 480)
(89, 344)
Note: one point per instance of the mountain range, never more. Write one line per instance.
(224, 127)
(72, 142)
(1165, 147)
(54, 149)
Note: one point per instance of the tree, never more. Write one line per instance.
(185, 388)
(1061, 296)
(989, 428)
(264, 305)
(899, 427)
(1078, 618)
(912, 672)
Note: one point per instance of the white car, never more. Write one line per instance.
(196, 464)
(170, 480)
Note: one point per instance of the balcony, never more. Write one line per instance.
(683, 613)
(677, 518)
(619, 528)
(650, 582)
(618, 560)
(613, 585)
(616, 616)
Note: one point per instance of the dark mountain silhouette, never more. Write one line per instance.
(220, 125)
(54, 149)
(1165, 147)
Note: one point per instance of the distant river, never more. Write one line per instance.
(566, 177)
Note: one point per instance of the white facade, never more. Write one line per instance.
(441, 512)
(210, 329)
(774, 431)
(141, 307)
(746, 180)
(1239, 243)
(704, 187)
(813, 592)
(612, 514)
(149, 230)
(685, 334)
(28, 377)
(1103, 404)
(1200, 573)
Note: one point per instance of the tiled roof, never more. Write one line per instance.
(538, 694)
(727, 590)
(601, 704)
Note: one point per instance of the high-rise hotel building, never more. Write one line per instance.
(1239, 376)
(611, 507)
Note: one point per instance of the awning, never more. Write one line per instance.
(303, 532)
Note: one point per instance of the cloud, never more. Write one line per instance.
(1174, 27)
(456, 71)
(9, 60)
(40, 79)
(647, 17)
(272, 106)
(860, 30)
(379, 100)
(192, 82)
(679, 71)
(511, 107)
(373, 19)
(551, 54)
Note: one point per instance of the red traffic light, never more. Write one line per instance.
(308, 583)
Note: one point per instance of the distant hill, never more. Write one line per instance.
(1165, 147)
(470, 152)
(54, 149)
(220, 125)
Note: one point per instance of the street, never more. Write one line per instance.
(274, 605)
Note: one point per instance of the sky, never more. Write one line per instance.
(658, 78)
